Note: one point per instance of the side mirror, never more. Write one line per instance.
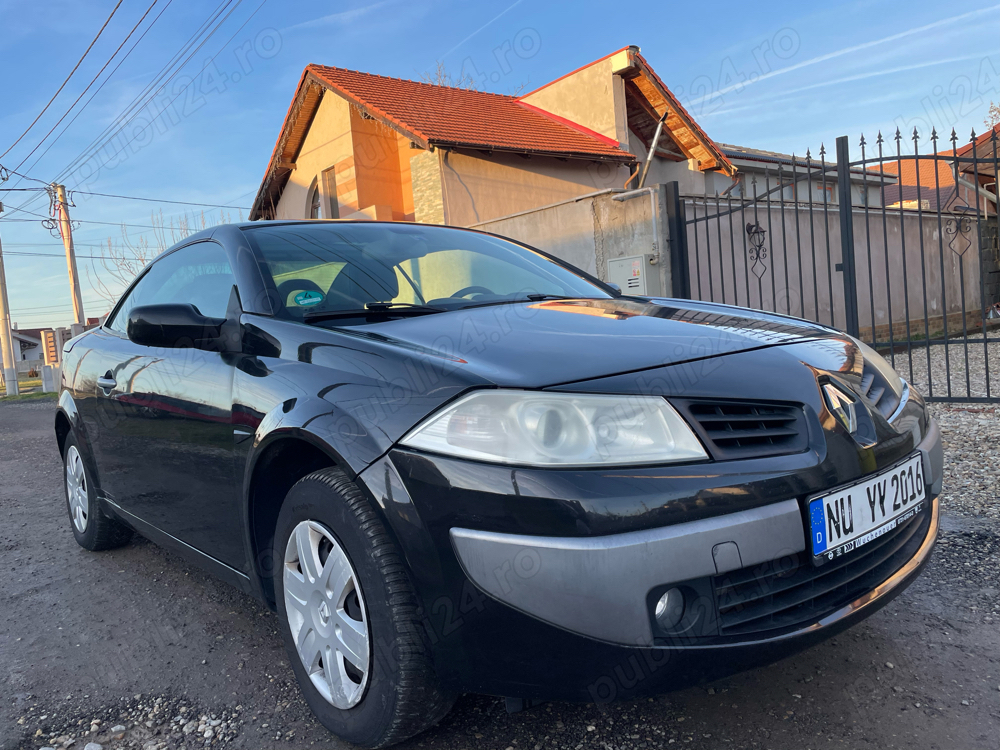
(175, 326)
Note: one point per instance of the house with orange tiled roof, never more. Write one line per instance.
(948, 180)
(358, 145)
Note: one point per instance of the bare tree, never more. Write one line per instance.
(992, 115)
(440, 76)
(121, 261)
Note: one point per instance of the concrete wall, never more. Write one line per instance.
(797, 272)
(328, 145)
(479, 188)
(590, 230)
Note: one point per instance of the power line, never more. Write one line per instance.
(44, 307)
(83, 221)
(146, 95)
(156, 200)
(212, 25)
(92, 82)
(23, 177)
(115, 10)
(47, 244)
(99, 88)
(203, 68)
(51, 255)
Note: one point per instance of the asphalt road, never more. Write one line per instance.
(146, 644)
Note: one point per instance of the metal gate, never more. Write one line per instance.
(899, 249)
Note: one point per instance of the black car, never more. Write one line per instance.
(452, 463)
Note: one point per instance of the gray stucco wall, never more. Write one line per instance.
(590, 230)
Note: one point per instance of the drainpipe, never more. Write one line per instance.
(652, 149)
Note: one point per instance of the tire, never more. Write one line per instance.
(92, 529)
(397, 696)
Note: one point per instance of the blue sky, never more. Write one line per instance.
(781, 76)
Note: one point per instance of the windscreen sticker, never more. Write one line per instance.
(308, 298)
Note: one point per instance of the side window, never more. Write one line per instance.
(198, 274)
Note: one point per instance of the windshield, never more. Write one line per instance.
(339, 268)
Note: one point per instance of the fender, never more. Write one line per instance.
(66, 407)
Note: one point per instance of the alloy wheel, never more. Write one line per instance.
(76, 489)
(326, 614)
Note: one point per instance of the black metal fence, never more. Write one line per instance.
(898, 248)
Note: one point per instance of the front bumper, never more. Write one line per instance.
(599, 586)
(568, 616)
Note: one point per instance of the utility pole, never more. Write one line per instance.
(66, 231)
(6, 339)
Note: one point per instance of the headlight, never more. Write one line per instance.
(556, 429)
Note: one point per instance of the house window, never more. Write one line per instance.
(315, 203)
(825, 192)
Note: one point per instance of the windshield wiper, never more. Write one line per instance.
(374, 308)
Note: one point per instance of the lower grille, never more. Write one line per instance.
(792, 592)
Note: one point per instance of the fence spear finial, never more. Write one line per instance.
(862, 141)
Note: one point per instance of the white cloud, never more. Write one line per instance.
(851, 49)
(344, 17)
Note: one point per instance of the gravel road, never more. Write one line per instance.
(136, 648)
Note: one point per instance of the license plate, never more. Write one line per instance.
(851, 517)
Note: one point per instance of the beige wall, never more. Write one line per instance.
(593, 97)
(327, 143)
(690, 179)
(478, 188)
(377, 167)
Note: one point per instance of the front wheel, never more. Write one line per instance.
(349, 616)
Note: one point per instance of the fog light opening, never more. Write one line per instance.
(670, 609)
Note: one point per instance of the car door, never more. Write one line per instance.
(165, 449)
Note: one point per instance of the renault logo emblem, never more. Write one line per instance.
(842, 407)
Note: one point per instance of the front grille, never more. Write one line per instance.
(876, 391)
(792, 592)
(743, 429)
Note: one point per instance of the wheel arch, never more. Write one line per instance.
(68, 420)
(278, 463)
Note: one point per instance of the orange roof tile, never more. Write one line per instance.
(908, 176)
(440, 115)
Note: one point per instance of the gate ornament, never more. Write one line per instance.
(757, 252)
(959, 231)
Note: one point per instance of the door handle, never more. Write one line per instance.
(106, 383)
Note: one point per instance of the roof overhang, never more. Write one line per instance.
(693, 142)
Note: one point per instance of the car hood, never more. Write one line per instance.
(541, 344)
